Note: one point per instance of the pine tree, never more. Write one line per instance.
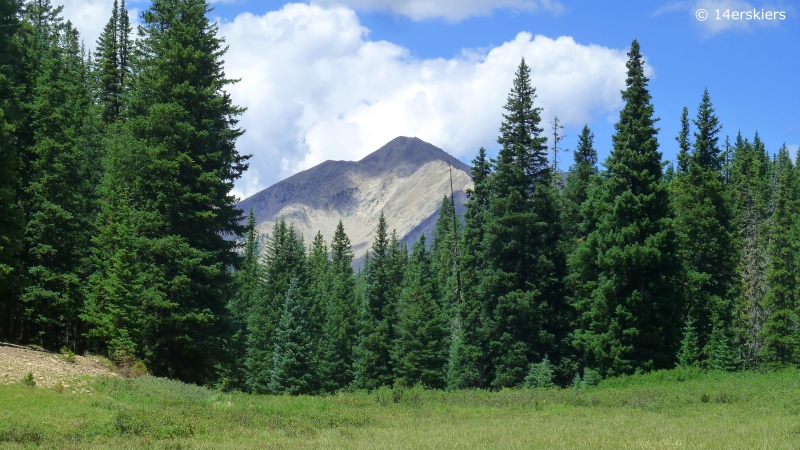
(57, 155)
(293, 371)
(179, 108)
(11, 218)
(372, 366)
(780, 332)
(469, 352)
(631, 318)
(704, 231)
(443, 254)
(420, 350)
(339, 326)
(526, 313)
(748, 176)
(580, 178)
(112, 63)
(284, 259)
(248, 285)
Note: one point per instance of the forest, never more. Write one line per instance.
(120, 236)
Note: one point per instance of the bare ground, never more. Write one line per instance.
(50, 370)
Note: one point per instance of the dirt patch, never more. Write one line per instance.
(49, 370)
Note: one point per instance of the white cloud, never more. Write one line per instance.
(793, 151)
(723, 15)
(91, 16)
(316, 89)
(450, 10)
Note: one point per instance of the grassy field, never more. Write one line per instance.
(681, 409)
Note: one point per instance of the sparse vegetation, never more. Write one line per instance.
(29, 380)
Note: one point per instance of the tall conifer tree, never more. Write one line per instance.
(631, 321)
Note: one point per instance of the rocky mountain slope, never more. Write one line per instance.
(406, 179)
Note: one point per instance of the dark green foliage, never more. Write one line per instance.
(469, 353)
(11, 218)
(284, 259)
(57, 159)
(748, 181)
(581, 176)
(420, 349)
(372, 366)
(185, 121)
(112, 59)
(780, 333)
(293, 369)
(526, 313)
(683, 142)
(339, 327)
(704, 231)
(630, 319)
(443, 256)
(248, 283)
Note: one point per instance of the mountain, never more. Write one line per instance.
(406, 179)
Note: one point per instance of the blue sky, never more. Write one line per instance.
(342, 77)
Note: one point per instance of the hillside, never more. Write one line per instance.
(406, 179)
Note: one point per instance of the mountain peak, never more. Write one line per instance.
(410, 153)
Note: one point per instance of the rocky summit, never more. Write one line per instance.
(406, 179)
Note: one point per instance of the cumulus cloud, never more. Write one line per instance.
(317, 88)
(717, 21)
(90, 16)
(450, 10)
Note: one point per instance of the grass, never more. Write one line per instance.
(680, 409)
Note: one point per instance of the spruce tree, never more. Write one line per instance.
(631, 320)
(293, 371)
(780, 333)
(284, 259)
(11, 218)
(526, 314)
(57, 158)
(372, 366)
(420, 350)
(705, 232)
(178, 107)
(339, 326)
(469, 352)
(581, 176)
(443, 254)
(112, 63)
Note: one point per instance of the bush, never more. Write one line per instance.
(127, 365)
(67, 355)
(540, 375)
(28, 380)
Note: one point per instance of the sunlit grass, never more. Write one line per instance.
(682, 409)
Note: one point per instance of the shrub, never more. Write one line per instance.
(67, 355)
(28, 380)
(540, 375)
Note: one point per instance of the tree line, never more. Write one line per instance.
(118, 235)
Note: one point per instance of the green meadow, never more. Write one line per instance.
(680, 409)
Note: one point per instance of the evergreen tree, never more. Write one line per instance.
(284, 259)
(178, 107)
(293, 370)
(704, 231)
(372, 365)
(112, 63)
(248, 285)
(580, 178)
(526, 314)
(11, 218)
(780, 333)
(443, 254)
(748, 176)
(339, 326)
(58, 212)
(684, 144)
(469, 352)
(420, 350)
(631, 320)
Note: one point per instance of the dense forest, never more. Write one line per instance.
(119, 235)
